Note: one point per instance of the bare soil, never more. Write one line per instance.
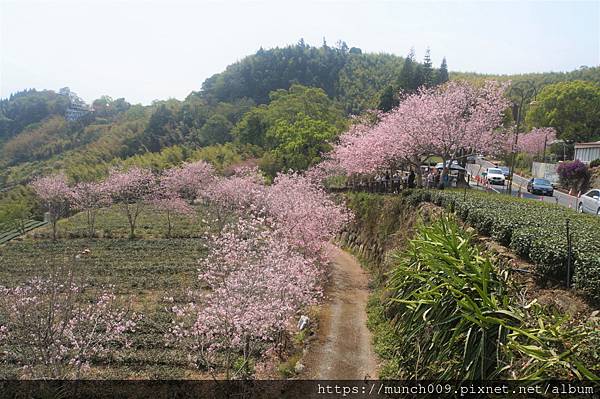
(342, 347)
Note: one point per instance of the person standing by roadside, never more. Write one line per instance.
(411, 179)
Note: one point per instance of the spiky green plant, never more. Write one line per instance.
(455, 318)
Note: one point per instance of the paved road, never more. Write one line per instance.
(519, 186)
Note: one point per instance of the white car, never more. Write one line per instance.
(495, 176)
(590, 202)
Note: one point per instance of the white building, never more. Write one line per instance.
(587, 152)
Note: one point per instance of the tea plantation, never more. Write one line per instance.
(534, 230)
(8, 233)
(143, 271)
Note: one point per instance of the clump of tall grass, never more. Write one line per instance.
(456, 315)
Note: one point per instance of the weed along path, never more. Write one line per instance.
(343, 348)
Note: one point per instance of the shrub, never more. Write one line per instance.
(595, 163)
(574, 175)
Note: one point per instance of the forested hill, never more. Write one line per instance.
(249, 104)
(277, 107)
(348, 75)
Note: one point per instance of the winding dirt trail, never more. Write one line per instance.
(343, 349)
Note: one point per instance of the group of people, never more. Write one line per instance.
(432, 178)
(394, 181)
(398, 178)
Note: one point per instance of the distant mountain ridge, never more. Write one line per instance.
(38, 135)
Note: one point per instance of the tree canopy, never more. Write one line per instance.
(572, 108)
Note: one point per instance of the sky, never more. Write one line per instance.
(154, 50)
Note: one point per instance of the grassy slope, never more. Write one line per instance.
(143, 270)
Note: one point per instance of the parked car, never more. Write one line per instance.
(505, 170)
(495, 176)
(472, 158)
(540, 186)
(590, 202)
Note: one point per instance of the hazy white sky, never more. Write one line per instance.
(146, 50)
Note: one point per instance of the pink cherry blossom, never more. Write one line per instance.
(189, 180)
(306, 215)
(89, 197)
(56, 197)
(449, 122)
(534, 141)
(130, 189)
(168, 195)
(52, 330)
(255, 283)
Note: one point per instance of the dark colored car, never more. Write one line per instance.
(505, 170)
(540, 186)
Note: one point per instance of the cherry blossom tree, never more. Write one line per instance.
(242, 192)
(130, 189)
(56, 197)
(450, 122)
(52, 331)
(166, 198)
(256, 282)
(263, 266)
(189, 180)
(304, 212)
(536, 140)
(89, 197)
(306, 215)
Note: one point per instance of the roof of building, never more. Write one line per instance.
(593, 144)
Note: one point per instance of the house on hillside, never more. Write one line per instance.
(587, 152)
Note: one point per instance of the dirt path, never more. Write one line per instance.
(343, 349)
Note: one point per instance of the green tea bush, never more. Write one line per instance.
(533, 230)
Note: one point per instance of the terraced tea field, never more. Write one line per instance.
(143, 271)
(11, 233)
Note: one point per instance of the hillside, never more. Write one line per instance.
(248, 111)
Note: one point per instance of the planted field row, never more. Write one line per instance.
(11, 234)
(534, 230)
(127, 264)
(143, 271)
(111, 222)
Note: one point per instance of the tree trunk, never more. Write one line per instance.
(93, 223)
(54, 220)
(169, 224)
(91, 216)
(131, 218)
(419, 176)
(444, 174)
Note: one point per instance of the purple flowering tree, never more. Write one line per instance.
(574, 175)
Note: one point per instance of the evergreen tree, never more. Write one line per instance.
(387, 100)
(405, 81)
(442, 75)
(418, 77)
(428, 78)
